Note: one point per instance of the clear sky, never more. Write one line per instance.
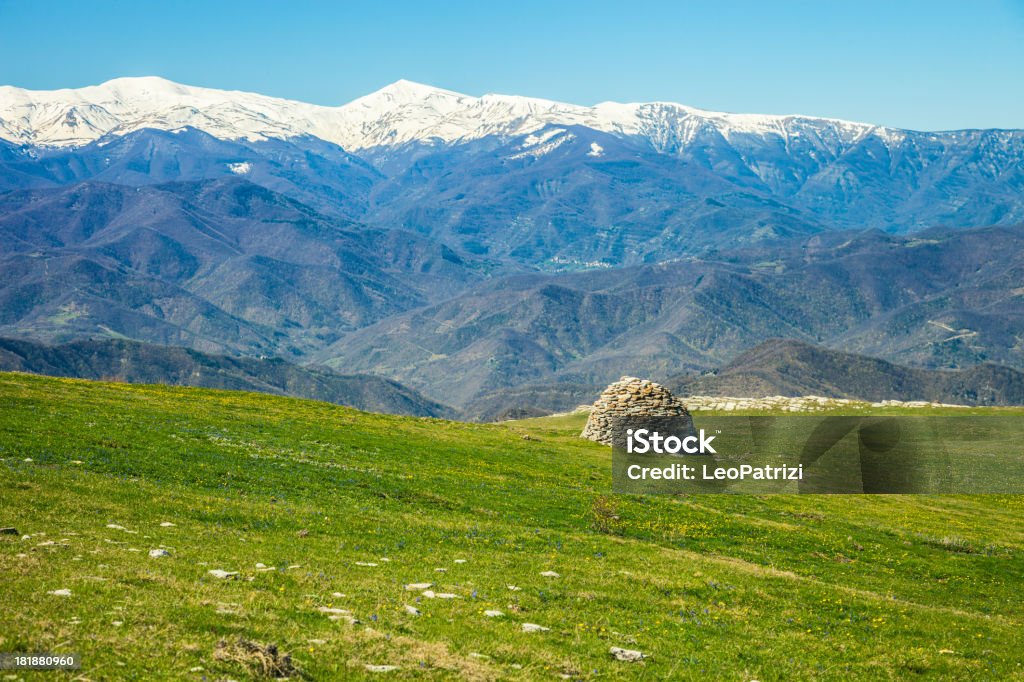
(929, 65)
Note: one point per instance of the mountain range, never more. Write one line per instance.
(473, 246)
(534, 181)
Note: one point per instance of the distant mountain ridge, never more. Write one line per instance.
(397, 114)
(944, 299)
(785, 367)
(140, 363)
(792, 368)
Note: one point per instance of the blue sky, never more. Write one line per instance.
(925, 65)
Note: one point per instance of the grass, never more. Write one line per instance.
(712, 587)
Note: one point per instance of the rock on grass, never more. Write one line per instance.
(430, 594)
(223, 575)
(629, 655)
(418, 587)
(533, 627)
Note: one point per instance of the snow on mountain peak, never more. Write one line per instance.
(399, 113)
(404, 92)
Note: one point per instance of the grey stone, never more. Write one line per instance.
(629, 397)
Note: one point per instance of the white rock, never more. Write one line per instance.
(533, 627)
(494, 614)
(550, 574)
(60, 593)
(337, 595)
(626, 654)
(157, 553)
(115, 526)
(381, 668)
(166, 524)
(460, 561)
(513, 588)
(333, 611)
(260, 565)
(418, 587)
(350, 619)
(429, 594)
(412, 610)
(366, 563)
(440, 570)
(223, 575)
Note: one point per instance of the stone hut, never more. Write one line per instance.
(630, 396)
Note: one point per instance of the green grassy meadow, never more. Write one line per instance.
(346, 508)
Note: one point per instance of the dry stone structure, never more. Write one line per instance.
(630, 396)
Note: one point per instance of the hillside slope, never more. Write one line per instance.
(140, 363)
(219, 265)
(325, 514)
(792, 368)
(942, 299)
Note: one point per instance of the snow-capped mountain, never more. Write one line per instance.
(400, 113)
(75, 117)
(522, 178)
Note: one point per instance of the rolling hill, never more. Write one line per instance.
(940, 299)
(791, 368)
(139, 363)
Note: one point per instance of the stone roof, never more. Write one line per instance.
(629, 396)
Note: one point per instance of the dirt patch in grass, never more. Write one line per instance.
(261, 660)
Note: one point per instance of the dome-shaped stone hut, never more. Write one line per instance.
(630, 397)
